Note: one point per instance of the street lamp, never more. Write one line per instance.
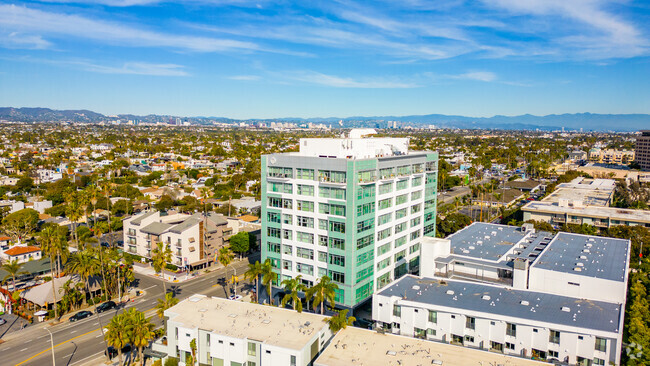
(52, 342)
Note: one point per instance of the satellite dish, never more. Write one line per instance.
(272, 160)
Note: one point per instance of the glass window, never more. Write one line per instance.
(433, 316)
(417, 181)
(414, 248)
(397, 310)
(273, 232)
(416, 195)
(402, 184)
(287, 234)
(383, 264)
(384, 219)
(401, 199)
(305, 268)
(365, 209)
(338, 260)
(400, 255)
(365, 225)
(403, 170)
(331, 176)
(400, 241)
(273, 247)
(415, 235)
(401, 213)
(601, 344)
(273, 217)
(416, 221)
(287, 219)
(337, 243)
(365, 241)
(385, 203)
(305, 190)
(387, 173)
(322, 257)
(418, 168)
(305, 237)
(383, 249)
(305, 221)
(305, 206)
(287, 249)
(304, 253)
(280, 172)
(554, 336)
(470, 323)
(280, 187)
(367, 176)
(337, 276)
(385, 188)
(252, 349)
(400, 227)
(329, 192)
(511, 329)
(322, 240)
(416, 208)
(305, 173)
(383, 234)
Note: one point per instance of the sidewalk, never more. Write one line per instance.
(147, 270)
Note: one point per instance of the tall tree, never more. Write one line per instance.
(340, 321)
(47, 239)
(324, 290)
(116, 334)
(20, 224)
(253, 273)
(268, 277)
(240, 243)
(74, 211)
(225, 256)
(139, 330)
(292, 286)
(13, 269)
(165, 303)
(160, 256)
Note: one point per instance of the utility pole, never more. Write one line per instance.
(52, 343)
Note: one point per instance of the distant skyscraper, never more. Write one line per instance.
(642, 152)
(354, 209)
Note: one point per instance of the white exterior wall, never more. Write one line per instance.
(452, 321)
(553, 282)
(230, 349)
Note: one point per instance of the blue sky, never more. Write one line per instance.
(265, 59)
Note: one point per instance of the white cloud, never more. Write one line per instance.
(135, 68)
(23, 19)
(317, 78)
(23, 41)
(476, 75)
(244, 77)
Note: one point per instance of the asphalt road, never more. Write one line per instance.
(81, 341)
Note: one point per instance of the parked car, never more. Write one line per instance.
(235, 297)
(80, 315)
(108, 305)
(363, 323)
(2, 321)
(112, 352)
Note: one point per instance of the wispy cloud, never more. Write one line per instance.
(313, 77)
(23, 41)
(476, 75)
(23, 19)
(135, 68)
(244, 77)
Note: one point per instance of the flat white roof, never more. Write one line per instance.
(362, 347)
(354, 148)
(267, 324)
(614, 213)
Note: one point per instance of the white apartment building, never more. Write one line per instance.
(517, 291)
(356, 346)
(233, 333)
(354, 209)
(193, 239)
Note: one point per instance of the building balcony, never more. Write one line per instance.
(560, 220)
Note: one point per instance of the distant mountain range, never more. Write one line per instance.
(586, 121)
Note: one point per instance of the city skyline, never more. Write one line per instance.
(261, 59)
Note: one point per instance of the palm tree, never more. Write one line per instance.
(116, 334)
(191, 359)
(324, 290)
(84, 264)
(139, 330)
(340, 321)
(292, 286)
(47, 239)
(268, 277)
(13, 269)
(165, 303)
(161, 255)
(253, 273)
(74, 211)
(225, 256)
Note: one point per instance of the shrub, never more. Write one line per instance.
(171, 361)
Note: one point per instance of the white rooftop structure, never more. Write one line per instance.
(361, 347)
(583, 192)
(355, 146)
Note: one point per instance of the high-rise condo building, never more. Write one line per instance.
(354, 209)
(642, 152)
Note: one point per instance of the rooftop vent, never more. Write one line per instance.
(450, 292)
(415, 287)
(566, 309)
(578, 269)
(232, 315)
(391, 353)
(524, 302)
(485, 297)
(266, 321)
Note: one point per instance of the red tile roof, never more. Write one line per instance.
(22, 250)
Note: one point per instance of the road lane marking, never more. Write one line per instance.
(72, 331)
(56, 345)
(84, 359)
(24, 349)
